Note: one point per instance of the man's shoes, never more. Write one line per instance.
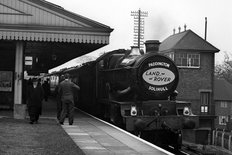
(61, 123)
(70, 123)
(31, 122)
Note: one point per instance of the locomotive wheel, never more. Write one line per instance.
(117, 120)
(105, 113)
(115, 116)
(177, 145)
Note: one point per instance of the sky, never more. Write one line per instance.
(163, 17)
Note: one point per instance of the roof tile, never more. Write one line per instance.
(187, 40)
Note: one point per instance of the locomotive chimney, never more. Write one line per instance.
(152, 46)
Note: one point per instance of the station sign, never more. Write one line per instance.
(28, 60)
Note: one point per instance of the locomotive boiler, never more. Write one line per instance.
(136, 91)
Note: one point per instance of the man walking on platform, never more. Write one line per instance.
(66, 90)
(35, 96)
(47, 91)
(58, 98)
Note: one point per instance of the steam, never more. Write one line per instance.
(157, 28)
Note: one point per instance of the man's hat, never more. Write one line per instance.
(66, 75)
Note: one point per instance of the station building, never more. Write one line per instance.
(36, 36)
(195, 58)
(223, 104)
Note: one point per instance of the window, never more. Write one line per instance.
(223, 120)
(205, 101)
(223, 104)
(189, 60)
(170, 55)
(204, 109)
(181, 59)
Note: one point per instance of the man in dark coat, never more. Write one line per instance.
(58, 98)
(46, 87)
(66, 90)
(35, 96)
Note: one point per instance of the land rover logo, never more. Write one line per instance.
(158, 76)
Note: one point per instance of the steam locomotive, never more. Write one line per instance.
(135, 91)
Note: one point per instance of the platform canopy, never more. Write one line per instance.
(51, 34)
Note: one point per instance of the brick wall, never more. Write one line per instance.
(222, 111)
(192, 80)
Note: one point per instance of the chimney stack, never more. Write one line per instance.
(179, 29)
(152, 46)
(205, 28)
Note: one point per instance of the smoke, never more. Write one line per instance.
(157, 28)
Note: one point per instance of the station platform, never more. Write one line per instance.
(93, 136)
(96, 137)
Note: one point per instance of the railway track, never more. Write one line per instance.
(185, 149)
(189, 150)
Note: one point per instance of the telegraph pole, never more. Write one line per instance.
(139, 27)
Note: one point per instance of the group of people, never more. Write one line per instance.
(65, 98)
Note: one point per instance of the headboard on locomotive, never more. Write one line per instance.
(157, 77)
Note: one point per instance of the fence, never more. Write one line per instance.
(222, 138)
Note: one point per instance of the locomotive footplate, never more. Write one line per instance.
(153, 123)
(163, 138)
(161, 130)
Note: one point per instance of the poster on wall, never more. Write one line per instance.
(6, 81)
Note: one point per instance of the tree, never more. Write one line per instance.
(224, 70)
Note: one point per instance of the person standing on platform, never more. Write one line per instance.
(66, 90)
(35, 96)
(46, 87)
(58, 98)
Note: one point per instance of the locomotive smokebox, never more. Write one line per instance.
(152, 46)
